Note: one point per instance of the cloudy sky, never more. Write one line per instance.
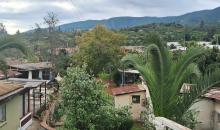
(23, 14)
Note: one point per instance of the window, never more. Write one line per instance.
(46, 74)
(2, 112)
(136, 99)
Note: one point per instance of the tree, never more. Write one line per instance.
(216, 40)
(165, 77)
(38, 28)
(202, 24)
(187, 37)
(12, 42)
(62, 62)
(2, 29)
(9, 42)
(18, 32)
(86, 105)
(209, 61)
(99, 49)
(172, 46)
(51, 20)
(210, 33)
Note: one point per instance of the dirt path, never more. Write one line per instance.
(35, 125)
(47, 112)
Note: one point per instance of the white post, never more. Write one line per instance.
(51, 76)
(29, 74)
(40, 74)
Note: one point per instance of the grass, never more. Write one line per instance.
(137, 126)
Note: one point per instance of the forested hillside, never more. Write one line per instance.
(189, 19)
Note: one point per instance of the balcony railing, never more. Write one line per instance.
(166, 124)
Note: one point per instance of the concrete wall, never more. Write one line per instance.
(205, 108)
(216, 111)
(13, 113)
(126, 100)
(162, 123)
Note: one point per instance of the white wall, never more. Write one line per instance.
(216, 111)
(126, 100)
(205, 107)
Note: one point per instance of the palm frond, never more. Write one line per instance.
(165, 77)
(13, 42)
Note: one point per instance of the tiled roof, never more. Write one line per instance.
(28, 83)
(33, 66)
(8, 87)
(13, 62)
(127, 89)
(10, 74)
(213, 94)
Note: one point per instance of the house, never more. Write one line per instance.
(208, 110)
(14, 111)
(186, 87)
(136, 96)
(10, 74)
(213, 46)
(208, 45)
(20, 99)
(133, 96)
(169, 44)
(129, 76)
(40, 70)
(175, 46)
(139, 49)
(204, 43)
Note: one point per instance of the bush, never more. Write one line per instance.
(126, 125)
(58, 112)
(116, 77)
(104, 76)
(40, 111)
(189, 119)
(117, 119)
(87, 106)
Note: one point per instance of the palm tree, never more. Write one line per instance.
(165, 77)
(8, 42)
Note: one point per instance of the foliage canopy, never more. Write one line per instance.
(99, 49)
(87, 106)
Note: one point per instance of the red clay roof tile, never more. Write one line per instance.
(213, 94)
(126, 90)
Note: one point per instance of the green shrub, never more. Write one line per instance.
(43, 108)
(189, 119)
(126, 125)
(87, 106)
(58, 112)
(104, 76)
(116, 77)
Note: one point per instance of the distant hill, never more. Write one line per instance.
(189, 19)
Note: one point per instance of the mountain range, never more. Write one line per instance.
(189, 19)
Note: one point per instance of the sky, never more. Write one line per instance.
(23, 14)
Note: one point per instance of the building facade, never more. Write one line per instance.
(132, 96)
